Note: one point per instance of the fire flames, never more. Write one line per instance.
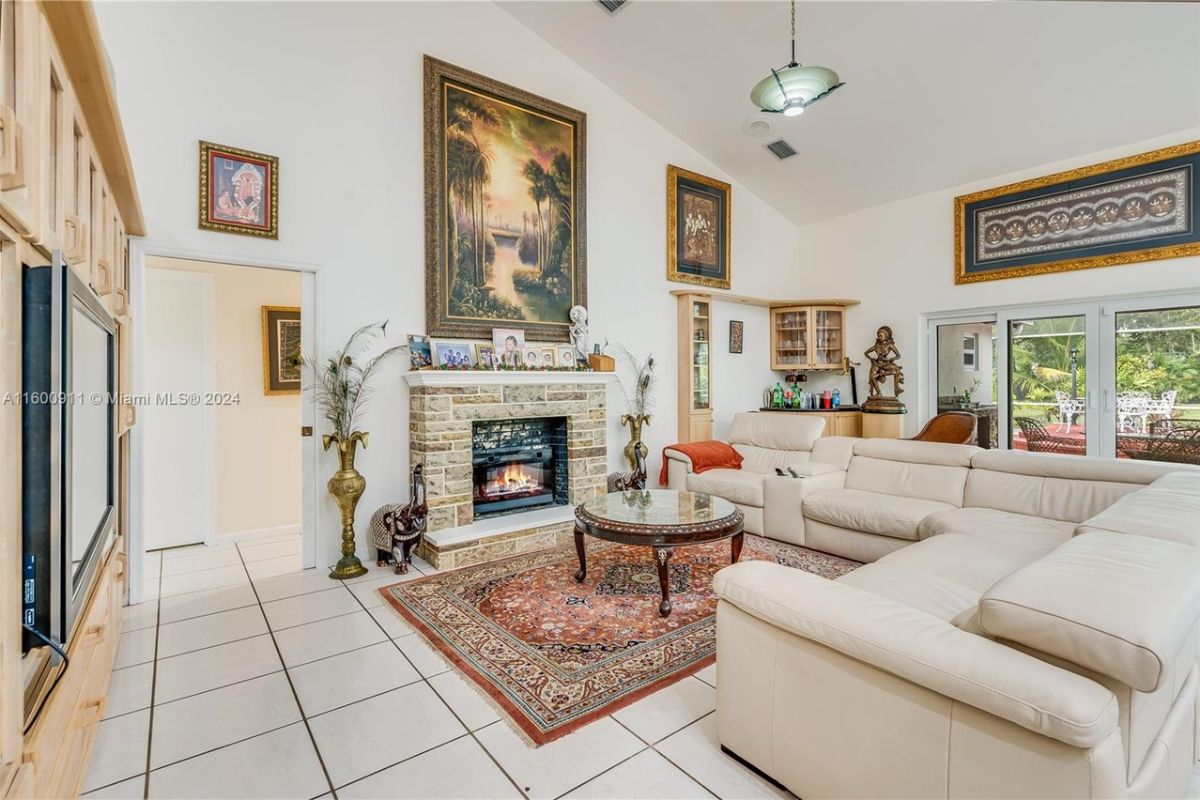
(513, 480)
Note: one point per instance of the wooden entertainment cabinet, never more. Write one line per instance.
(66, 183)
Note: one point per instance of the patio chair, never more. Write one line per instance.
(1176, 441)
(1163, 406)
(1040, 440)
(1132, 410)
(1068, 408)
(952, 427)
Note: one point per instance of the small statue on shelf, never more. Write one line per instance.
(883, 356)
(579, 334)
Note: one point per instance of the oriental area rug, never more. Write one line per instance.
(554, 654)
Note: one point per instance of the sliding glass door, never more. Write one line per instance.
(1110, 378)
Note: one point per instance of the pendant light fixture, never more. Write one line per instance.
(794, 87)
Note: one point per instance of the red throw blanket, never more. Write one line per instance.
(704, 456)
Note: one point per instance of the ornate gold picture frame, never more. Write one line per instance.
(699, 216)
(239, 191)
(1140, 208)
(281, 349)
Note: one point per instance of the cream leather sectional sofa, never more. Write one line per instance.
(1028, 627)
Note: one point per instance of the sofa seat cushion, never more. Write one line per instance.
(944, 576)
(738, 486)
(1035, 535)
(871, 512)
(1120, 605)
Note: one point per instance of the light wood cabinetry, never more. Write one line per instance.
(66, 183)
(837, 423)
(805, 337)
(695, 367)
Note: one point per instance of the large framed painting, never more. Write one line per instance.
(1139, 208)
(698, 229)
(505, 215)
(239, 191)
(281, 349)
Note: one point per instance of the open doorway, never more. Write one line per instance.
(221, 453)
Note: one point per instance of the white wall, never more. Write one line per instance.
(334, 90)
(899, 260)
(257, 458)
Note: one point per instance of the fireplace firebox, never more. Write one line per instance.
(518, 465)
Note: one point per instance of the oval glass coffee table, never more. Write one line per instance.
(661, 519)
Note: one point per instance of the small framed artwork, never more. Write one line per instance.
(698, 229)
(420, 353)
(281, 349)
(533, 358)
(239, 191)
(566, 356)
(736, 335)
(485, 356)
(455, 355)
(548, 357)
(1141, 208)
(510, 346)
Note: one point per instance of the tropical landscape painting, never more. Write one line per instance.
(508, 227)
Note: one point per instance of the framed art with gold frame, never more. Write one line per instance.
(699, 228)
(239, 191)
(505, 207)
(1139, 208)
(281, 349)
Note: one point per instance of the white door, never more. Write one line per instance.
(178, 425)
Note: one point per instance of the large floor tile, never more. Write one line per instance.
(136, 618)
(280, 586)
(198, 562)
(214, 667)
(312, 607)
(456, 769)
(367, 591)
(132, 789)
(359, 739)
(350, 677)
(270, 567)
(260, 552)
(328, 637)
(152, 566)
(647, 775)
(709, 675)
(563, 764)
(465, 700)
(279, 764)
(210, 601)
(129, 689)
(429, 662)
(119, 751)
(200, 581)
(191, 726)
(213, 629)
(135, 647)
(695, 750)
(668, 710)
(190, 550)
(392, 623)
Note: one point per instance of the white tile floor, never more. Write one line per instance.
(243, 676)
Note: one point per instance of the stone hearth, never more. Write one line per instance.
(443, 405)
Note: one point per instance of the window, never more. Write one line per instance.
(970, 345)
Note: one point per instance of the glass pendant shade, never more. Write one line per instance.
(793, 88)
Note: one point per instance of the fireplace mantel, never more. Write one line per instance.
(510, 377)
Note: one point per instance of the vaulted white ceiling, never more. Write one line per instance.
(937, 93)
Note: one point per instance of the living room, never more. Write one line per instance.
(845, 350)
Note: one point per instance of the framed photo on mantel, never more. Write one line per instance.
(1140, 208)
(698, 229)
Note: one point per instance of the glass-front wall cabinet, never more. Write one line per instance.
(789, 338)
(701, 339)
(827, 336)
(807, 337)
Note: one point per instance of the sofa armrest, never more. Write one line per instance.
(925, 650)
(679, 466)
(782, 498)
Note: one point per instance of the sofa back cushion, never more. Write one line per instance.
(1069, 488)
(1167, 509)
(764, 460)
(926, 470)
(1120, 605)
(768, 441)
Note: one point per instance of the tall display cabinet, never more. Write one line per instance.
(66, 184)
(695, 367)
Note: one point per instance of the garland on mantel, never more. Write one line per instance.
(522, 368)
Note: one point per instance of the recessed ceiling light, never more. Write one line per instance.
(757, 125)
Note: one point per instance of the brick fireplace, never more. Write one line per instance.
(536, 441)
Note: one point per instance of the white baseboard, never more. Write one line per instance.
(260, 533)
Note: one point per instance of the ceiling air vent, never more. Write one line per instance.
(612, 6)
(781, 149)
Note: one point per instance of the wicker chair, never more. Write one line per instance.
(951, 427)
(1176, 441)
(1040, 440)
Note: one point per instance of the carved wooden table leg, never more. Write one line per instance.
(662, 555)
(581, 550)
(735, 548)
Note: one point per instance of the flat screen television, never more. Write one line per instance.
(69, 445)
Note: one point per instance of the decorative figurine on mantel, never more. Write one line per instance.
(397, 530)
(579, 334)
(883, 356)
